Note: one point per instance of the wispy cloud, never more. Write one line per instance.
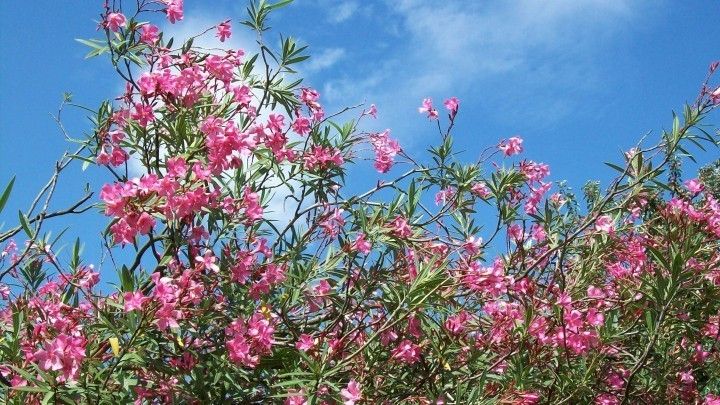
(534, 60)
(324, 59)
(342, 11)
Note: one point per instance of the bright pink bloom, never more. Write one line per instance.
(512, 146)
(456, 324)
(296, 398)
(352, 393)
(407, 352)
(143, 114)
(176, 167)
(305, 342)
(400, 227)
(64, 353)
(443, 196)
(167, 316)
(361, 245)
(301, 125)
(322, 158)
(224, 30)
(251, 203)
(149, 34)
(711, 399)
(174, 10)
(134, 301)
(115, 21)
(207, 261)
(385, 150)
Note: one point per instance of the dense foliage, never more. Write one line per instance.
(448, 282)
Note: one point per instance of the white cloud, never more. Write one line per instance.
(324, 59)
(529, 59)
(342, 11)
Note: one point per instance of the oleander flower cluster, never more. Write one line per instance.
(446, 281)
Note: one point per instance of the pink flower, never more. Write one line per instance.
(295, 398)
(143, 114)
(167, 316)
(251, 203)
(149, 34)
(407, 352)
(711, 399)
(147, 84)
(528, 398)
(400, 227)
(361, 245)
(427, 107)
(305, 342)
(352, 393)
(595, 318)
(444, 195)
(322, 158)
(605, 224)
(134, 301)
(207, 261)
(595, 292)
(452, 105)
(224, 30)
(385, 150)
(301, 125)
(481, 190)
(512, 146)
(456, 324)
(174, 10)
(694, 186)
(715, 96)
(115, 21)
(176, 167)
(372, 111)
(64, 353)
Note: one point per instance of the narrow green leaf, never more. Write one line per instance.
(25, 224)
(6, 194)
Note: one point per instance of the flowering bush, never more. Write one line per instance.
(358, 297)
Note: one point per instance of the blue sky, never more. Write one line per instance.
(579, 81)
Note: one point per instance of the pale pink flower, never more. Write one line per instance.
(452, 105)
(352, 393)
(115, 21)
(605, 224)
(512, 146)
(427, 107)
(134, 301)
(400, 227)
(372, 111)
(694, 186)
(481, 190)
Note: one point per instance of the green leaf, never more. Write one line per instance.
(279, 4)
(25, 224)
(6, 194)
